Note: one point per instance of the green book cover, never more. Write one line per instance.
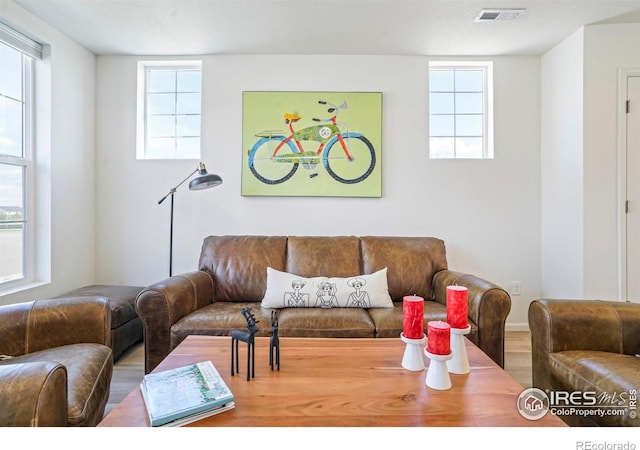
(174, 394)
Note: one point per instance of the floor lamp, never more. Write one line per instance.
(203, 181)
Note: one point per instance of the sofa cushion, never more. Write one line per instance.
(328, 323)
(411, 261)
(364, 291)
(220, 319)
(607, 374)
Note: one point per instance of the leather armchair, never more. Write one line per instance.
(56, 366)
(590, 346)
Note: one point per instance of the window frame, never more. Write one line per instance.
(26, 162)
(487, 106)
(144, 67)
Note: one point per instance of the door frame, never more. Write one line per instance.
(623, 75)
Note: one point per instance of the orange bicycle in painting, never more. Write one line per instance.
(348, 156)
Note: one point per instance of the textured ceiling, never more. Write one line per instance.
(391, 27)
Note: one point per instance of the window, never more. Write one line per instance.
(16, 156)
(169, 109)
(460, 110)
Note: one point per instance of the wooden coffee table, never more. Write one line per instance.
(343, 383)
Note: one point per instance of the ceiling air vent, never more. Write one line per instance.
(494, 15)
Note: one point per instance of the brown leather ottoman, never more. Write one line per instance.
(126, 326)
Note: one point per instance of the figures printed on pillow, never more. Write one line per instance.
(359, 298)
(326, 295)
(296, 298)
(295, 291)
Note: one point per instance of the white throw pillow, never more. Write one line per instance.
(285, 290)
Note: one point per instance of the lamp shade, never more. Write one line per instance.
(205, 180)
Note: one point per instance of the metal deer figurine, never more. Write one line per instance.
(274, 341)
(247, 337)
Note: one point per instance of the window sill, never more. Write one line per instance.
(16, 288)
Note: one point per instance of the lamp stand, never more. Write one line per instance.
(171, 193)
(171, 238)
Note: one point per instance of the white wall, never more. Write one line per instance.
(65, 209)
(607, 49)
(562, 169)
(580, 217)
(488, 212)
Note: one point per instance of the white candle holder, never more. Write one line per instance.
(412, 358)
(459, 363)
(437, 373)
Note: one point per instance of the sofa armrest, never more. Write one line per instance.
(557, 325)
(489, 306)
(33, 394)
(164, 303)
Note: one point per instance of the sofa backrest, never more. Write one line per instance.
(411, 263)
(238, 264)
(330, 256)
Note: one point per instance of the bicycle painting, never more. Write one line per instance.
(312, 144)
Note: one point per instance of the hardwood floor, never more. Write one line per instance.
(517, 355)
(129, 369)
(127, 375)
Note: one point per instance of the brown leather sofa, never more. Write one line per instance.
(232, 275)
(588, 348)
(56, 366)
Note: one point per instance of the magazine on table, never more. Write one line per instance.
(179, 396)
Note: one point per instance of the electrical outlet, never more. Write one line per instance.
(515, 288)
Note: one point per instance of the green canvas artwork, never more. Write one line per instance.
(312, 144)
